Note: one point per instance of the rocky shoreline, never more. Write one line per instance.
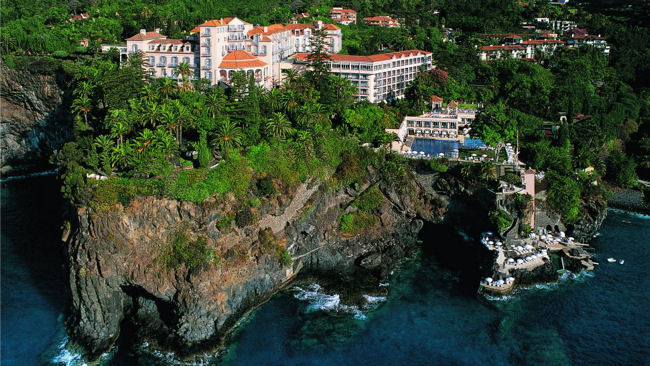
(629, 200)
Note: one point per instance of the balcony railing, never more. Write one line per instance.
(161, 65)
(206, 67)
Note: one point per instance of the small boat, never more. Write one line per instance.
(611, 260)
(621, 261)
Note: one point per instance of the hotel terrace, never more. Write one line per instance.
(449, 123)
(382, 21)
(219, 47)
(380, 77)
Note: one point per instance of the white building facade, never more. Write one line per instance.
(380, 77)
(211, 49)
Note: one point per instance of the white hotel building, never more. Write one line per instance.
(219, 47)
(380, 77)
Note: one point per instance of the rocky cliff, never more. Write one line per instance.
(121, 275)
(34, 118)
(120, 272)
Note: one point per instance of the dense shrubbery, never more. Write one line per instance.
(564, 196)
(181, 250)
(501, 220)
(355, 223)
(369, 200)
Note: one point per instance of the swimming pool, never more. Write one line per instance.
(435, 147)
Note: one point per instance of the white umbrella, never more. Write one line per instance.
(520, 261)
(489, 280)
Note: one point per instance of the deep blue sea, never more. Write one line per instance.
(429, 317)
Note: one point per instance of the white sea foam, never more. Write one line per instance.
(631, 213)
(30, 175)
(320, 301)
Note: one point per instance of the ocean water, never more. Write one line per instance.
(432, 315)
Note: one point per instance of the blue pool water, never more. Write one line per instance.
(430, 316)
(435, 147)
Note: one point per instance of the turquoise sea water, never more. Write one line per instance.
(432, 315)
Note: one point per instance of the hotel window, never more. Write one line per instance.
(152, 60)
(163, 61)
(186, 60)
(436, 124)
(452, 125)
(164, 72)
(427, 124)
(208, 63)
(152, 72)
(444, 124)
(163, 48)
(187, 48)
(152, 47)
(409, 123)
(134, 48)
(174, 60)
(207, 31)
(208, 75)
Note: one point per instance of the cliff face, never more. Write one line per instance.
(33, 118)
(116, 272)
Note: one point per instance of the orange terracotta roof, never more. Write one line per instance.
(371, 58)
(513, 36)
(267, 30)
(240, 59)
(332, 27)
(146, 36)
(435, 98)
(452, 104)
(214, 23)
(293, 26)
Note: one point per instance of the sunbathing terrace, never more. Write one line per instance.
(514, 256)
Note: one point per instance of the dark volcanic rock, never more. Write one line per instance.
(34, 119)
(117, 275)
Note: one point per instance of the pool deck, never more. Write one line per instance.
(514, 256)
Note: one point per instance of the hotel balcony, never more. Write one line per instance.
(161, 65)
(206, 67)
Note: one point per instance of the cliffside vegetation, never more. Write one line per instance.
(158, 138)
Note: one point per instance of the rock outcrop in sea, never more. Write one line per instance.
(34, 118)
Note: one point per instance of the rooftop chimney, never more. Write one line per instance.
(157, 30)
(143, 31)
(266, 29)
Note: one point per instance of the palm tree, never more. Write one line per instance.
(165, 142)
(273, 99)
(84, 89)
(290, 75)
(183, 70)
(82, 105)
(168, 117)
(118, 123)
(183, 118)
(151, 112)
(216, 102)
(290, 101)
(305, 143)
(167, 88)
(488, 171)
(148, 92)
(121, 155)
(228, 136)
(105, 144)
(278, 126)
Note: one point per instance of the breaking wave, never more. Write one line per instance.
(320, 301)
